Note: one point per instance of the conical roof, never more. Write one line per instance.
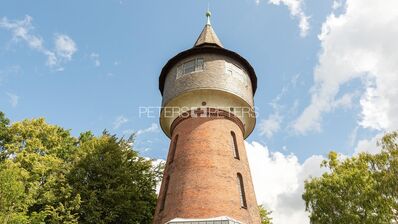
(208, 36)
(209, 43)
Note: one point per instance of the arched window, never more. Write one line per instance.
(241, 188)
(173, 149)
(234, 145)
(166, 186)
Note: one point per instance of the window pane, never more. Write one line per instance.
(241, 191)
(173, 149)
(236, 72)
(234, 145)
(189, 66)
(179, 71)
(199, 64)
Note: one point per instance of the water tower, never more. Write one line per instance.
(207, 113)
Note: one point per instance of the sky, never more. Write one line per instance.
(327, 75)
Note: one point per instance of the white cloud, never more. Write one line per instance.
(95, 58)
(344, 102)
(52, 60)
(270, 125)
(296, 10)
(358, 44)
(278, 180)
(22, 30)
(13, 99)
(369, 145)
(65, 47)
(337, 4)
(352, 138)
(153, 128)
(119, 121)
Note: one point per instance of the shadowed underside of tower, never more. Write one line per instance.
(207, 111)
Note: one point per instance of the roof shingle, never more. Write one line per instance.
(208, 36)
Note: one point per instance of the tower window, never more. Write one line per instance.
(199, 64)
(242, 194)
(173, 149)
(166, 186)
(190, 66)
(235, 71)
(234, 145)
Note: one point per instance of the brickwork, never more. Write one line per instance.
(202, 178)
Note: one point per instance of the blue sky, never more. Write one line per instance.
(89, 65)
(132, 40)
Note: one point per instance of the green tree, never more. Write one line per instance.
(49, 176)
(115, 184)
(12, 193)
(4, 123)
(361, 189)
(264, 215)
(37, 156)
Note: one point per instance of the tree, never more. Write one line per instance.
(264, 215)
(4, 122)
(12, 194)
(115, 184)
(361, 189)
(49, 176)
(36, 158)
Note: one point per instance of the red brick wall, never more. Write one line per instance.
(203, 175)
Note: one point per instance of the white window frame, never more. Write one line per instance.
(199, 65)
(236, 72)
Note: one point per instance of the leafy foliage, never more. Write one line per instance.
(361, 189)
(42, 153)
(4, 122)
(115, 184)
(264, 215)
(49, 176)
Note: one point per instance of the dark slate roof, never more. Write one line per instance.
(207, 42)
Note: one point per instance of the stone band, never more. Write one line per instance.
(207, 113)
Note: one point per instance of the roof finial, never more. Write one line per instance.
(208, 14)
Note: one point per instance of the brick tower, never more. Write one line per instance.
(207, 111)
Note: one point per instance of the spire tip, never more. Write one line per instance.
(208, 15)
